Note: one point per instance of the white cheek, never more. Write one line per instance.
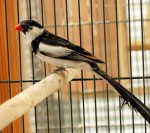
(34, 33)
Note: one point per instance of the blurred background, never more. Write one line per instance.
(116, 31)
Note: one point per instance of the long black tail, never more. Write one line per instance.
(128, 97)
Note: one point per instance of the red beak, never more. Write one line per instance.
(18, 27)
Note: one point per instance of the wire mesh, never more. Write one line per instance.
(115, 31)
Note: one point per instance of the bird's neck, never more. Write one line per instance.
(31, 36)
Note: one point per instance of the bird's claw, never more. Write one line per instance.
(59, 69)
(124, 102)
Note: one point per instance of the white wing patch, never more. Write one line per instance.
(55, 51)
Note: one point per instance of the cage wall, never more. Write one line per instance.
(115, 31)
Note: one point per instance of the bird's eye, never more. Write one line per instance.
(28, 27)
(23, 26)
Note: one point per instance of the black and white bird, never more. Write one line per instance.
(56, 50)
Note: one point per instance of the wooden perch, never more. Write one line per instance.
(23, 102)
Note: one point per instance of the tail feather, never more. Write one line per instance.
(128, 97)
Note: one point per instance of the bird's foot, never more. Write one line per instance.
(126, 102)
(59, 69)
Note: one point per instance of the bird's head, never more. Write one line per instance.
(30, 28)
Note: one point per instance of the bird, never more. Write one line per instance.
(56, 50)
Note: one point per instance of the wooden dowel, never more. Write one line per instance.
(23, 102)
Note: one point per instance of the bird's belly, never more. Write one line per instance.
(63, 62)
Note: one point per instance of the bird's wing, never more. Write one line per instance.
(54, 46)
(54, 51)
